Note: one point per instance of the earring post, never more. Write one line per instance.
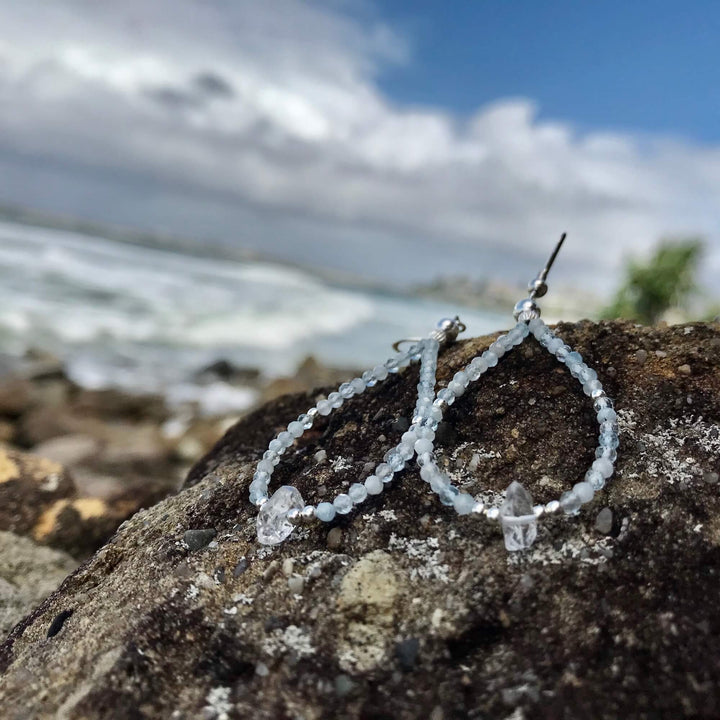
(538, 287)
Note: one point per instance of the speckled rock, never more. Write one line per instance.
(415, 612)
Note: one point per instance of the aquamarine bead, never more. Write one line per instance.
(606, 452)
(343, 504)
(266, 466)
(305, 420)
(438, 481)
(604, 467)
(523, 329)
(602, 402)
(592, 387)
(384, 472)
(358, 385)
(562, 353)
(380, 372)
(535, 325)
(584, 492)
(607, 414)
(286, 439)
(296, 429)
(429, 471)
(275, 446)
(261, 476)
(325, 511)
(574, 358)
(423, 445)
(256, 495)
(448, 494)
(406, 450)
(374, 485)
(456, 388)
(324, 407)
(357, 492)
(490, 358)
(570, 503)
(447, 395)
(609, 440)
(335, 399)
(425, 433)
(463, 503)
(596, 480)
(346, 390)
(392, 365)
(546, 338)
(368, 378)
(554, 345)
(497, 348)
(587, 374)
(395, 460)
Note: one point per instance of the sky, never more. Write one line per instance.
(392, 140)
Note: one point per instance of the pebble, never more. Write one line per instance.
(400, 425)
(661, 354)
(685, 369)
(262, 670)
(406, 651)
(343, 685)
(711, 478)
(241, 567)
(320, 456)
(334, 538)
(198, 539)
(270, 570)
(288, 566)
(604, 521)
(641, 356)
(296, 584)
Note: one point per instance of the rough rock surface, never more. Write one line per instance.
(28, 574)
(405, 610)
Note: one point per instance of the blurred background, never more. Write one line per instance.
(206, 203)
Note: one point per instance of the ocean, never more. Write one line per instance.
(147, 320)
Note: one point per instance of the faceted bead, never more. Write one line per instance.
(554, 345)
(587, 375)
(490, 358)
(374, 485)
(368, 378)
(428, 471)
(346, 390)
(570, 503)
(335, 399)
(607, 414)
(602, 402)
(592, 387)
(497, 349)
(584, 492)
(562, 353)
(518, 520)
(456, 388)
(296, 429)
(261, 476)
(604, 467)
(574, 358)
(357, 492)
(447, 395)
(380, 372)
(447, 494)
(305, 420)
(324, 407)
(605, 452)
(384, 472)
(536, 325)
(464, 503)
(325, 511)
(275, 446)
(425, 433)
(358, 385)
(343, 504)
(392, 365)
(286, 438)
(423, 445)
(395, 460)
(609, 440)
(596, 480)
(272, 522)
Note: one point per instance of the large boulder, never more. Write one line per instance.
(403, 609)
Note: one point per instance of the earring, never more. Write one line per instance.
(278, 515)
(517, 514)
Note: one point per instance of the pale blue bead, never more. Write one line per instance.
(424, 459)
(535, 325)
(447, 395)
(604, 467)
(286, 439)
(266, 466)
(374, 485)
(461, 377)
(325, 511)
(429, 471)
(335, 399)
(596, 480)
(546, 338)
(296, 429)
(576, 368)
(273, 455)
(464, 503)
(602, 402)
(562, 353)
(414, 351)
(497, 349)
(604, 452)
(456, 388)
(380, 372)
(438, 481)
(257, 494)
(305, 420)
(275, 446)
(522, 329)
(570, 503)
(258, 486)
(507, 341)
(357, 492)
(490, 358)
(358, 385)
(368, 378)
(587, 375)
(480, 364)
(395, 460)
(610, 440)
(261, 476)
(406, 450)
(608, 427)
(426, 433)
(584, 492)
(324, 407)
(607, 414)
(410, 436)
(423, 445)
(554, 345)
(448, 494)
(392, 365)
(343, 504)
(384, 472)
(574, 358)
(593, 387)
(346, 390)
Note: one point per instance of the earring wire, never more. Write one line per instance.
(538, 287)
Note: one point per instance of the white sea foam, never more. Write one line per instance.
(147, 319)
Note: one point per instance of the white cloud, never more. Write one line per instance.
(264, 121)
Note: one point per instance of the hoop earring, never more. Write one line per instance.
(517, 514)
(279, 514)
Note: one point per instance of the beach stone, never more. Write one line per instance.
(582, 624)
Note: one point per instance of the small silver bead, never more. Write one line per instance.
(539, 510)
(293, 516)
(552, 507)
(537, 287)
(492, 513)
(526, 310)
(307, 513)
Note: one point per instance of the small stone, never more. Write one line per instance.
(711, 478)
(518, 520)
(296, 584)
(400, 425)
(198, 539)
(334, 538)
(685, 369)
(641, 356)
(261, 669)
(241, 567)
(343, 685)
(406, 652)
(288, 566)
(272, 523)
(604, 521)
(320, 456)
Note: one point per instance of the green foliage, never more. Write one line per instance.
(665, 281)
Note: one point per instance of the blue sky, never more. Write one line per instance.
(633, 65)
(393, 140)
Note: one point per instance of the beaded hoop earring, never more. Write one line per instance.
(278, 515)
(517, 515)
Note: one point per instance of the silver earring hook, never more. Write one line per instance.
(538, 287)
(446, 331)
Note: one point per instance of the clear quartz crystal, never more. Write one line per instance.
(272, 521)
(518, 520)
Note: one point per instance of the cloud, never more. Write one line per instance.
(264, 122)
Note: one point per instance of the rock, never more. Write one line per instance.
(581, 625)
(604, 521)
(28, 574)
(15, 395)
(198, 539)
(228, 372)
(69, 449)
